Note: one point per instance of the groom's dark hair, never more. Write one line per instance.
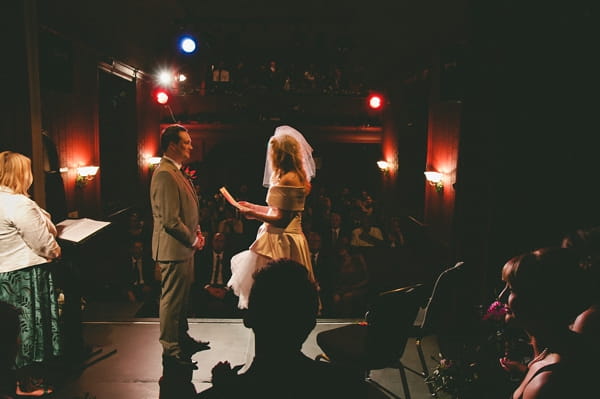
(170, 135)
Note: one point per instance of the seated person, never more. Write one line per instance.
(395, 234)
(586, 242)
(366, 235)
(322, 265)
(350, 283)
(282, 311)
(210, 293)
(544, 297)
(233, 227)
(334, 233)
(136, 280)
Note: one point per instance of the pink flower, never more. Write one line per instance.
(496, 311)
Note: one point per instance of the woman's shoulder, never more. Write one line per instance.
(14, 199)
(290, 179)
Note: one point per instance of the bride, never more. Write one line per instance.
(288, 170)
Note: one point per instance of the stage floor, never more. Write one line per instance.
(132, 365)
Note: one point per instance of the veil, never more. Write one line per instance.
(308, 163)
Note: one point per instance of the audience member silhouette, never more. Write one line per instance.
(137, 282)
(282, 312)
(586, 242)
(233, 227)
(544, 296)
(367, 234)
(335, 233)
(322, 264)
(395, 234)
(350, 283)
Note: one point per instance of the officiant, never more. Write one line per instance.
(27, 245)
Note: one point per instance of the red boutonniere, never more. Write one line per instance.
(189, 172)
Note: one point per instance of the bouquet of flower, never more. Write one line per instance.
(455, 378)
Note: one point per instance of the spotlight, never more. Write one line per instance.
(187, 44)
(162, 97)
(375, 101)
(165, 78)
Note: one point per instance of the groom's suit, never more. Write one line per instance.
(175, 213)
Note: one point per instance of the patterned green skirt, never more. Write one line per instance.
(32, 291)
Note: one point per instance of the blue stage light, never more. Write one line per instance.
(187, 44)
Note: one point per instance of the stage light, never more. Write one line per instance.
(165, 78)
(162, 97)
(187, 44)
(375, 101)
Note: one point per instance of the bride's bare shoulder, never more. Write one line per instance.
(290, 179)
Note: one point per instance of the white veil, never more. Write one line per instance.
(308, 163)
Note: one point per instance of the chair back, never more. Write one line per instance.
(390, 319)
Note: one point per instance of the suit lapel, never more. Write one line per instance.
(183, 179)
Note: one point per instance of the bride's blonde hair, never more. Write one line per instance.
(286, 157)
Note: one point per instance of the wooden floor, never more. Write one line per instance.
(128, 362)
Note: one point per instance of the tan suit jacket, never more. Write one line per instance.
(175, 213)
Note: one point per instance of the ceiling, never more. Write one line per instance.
(143, 33)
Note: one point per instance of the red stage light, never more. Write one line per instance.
(375, 101)
(161, 97)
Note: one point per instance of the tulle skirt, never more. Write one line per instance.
(271, 243)
(243, 267)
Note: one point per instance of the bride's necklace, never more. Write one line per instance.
(539, 357)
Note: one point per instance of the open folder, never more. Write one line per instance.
(77, 230)
(231, 200)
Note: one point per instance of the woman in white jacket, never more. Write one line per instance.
(27, 243)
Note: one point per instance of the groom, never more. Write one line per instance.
(175, 238)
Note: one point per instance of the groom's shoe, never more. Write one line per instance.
(191, 346)
(179, 361)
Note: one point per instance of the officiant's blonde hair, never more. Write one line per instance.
(15, 172)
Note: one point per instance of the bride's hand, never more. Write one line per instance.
(247, 213)
(245, 204)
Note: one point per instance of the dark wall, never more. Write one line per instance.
(15, 126)
(527, 154)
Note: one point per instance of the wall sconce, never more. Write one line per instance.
(384, 166)
(85, 174)
(153, 161)
(435, 179)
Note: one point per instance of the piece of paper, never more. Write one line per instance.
(76, 230)
(230, 199)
